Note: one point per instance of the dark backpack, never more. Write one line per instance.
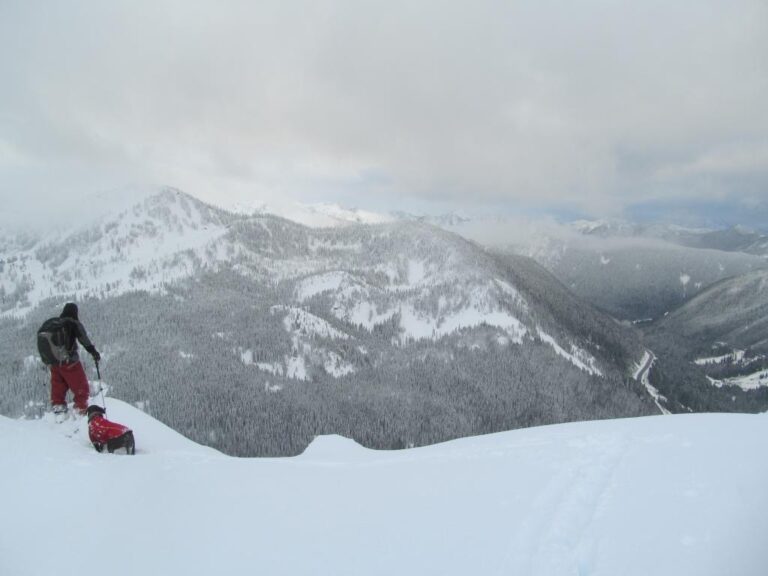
(53, 339)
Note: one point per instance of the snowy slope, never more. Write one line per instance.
(321, 215)
(635, 272)
(439, 288)
(725, 331)
(660, 495)
(432, 284)
(136, 246)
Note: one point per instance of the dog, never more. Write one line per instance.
(111, 435)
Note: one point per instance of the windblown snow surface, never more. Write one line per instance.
(676, 495)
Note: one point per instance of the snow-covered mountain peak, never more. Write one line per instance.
(319, 215)
(605, 227)
(448, 220)
(340, 216)
(170, 207)
(140, 245)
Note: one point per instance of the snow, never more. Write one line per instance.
(667, 496)
(641, 366)
(417, 272)
(314, 285)
(32, 362)
(296, 368)
(246, 357)
(274, 368)
(340, 216)
(752, 381)
(589, 226)
(315, 215)
(417, 323)
(642, 373)
(336, 366)
(364, 313)
(316, 245)
(511, 292)
(578, 357)
(419, 326)
(735, 356)
(302, 323)
(656, 395)
(146, 247)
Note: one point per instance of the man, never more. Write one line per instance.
(67, 372)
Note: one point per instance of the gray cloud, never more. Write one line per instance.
(595, 105)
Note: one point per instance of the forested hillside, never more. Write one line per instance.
(638, 278)
(716, 347)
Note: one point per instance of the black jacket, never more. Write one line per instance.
(76, 333)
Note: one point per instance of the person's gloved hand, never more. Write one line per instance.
(94, 353)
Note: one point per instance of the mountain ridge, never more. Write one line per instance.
(429, 333)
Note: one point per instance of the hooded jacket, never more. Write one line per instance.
(76, 333)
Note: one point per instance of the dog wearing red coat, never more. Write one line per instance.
(104, 433)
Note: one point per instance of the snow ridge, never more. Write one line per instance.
(554, 500)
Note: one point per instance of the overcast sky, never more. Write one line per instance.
(591, 108)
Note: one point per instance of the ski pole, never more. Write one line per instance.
(101, 388)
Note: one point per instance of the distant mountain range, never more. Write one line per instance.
(635, 272)
(253, 333)
(732, 239)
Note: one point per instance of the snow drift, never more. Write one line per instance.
(659, 495)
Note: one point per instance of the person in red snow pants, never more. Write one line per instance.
(69, 377)
(68, 373)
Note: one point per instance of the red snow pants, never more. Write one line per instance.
(69, 377)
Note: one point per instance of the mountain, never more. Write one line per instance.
(448, 221)
(636, 273)
(732, 313)
(633, 497)
(721, 337)
(254, 334)
(731, 239)
(322, 215)
(640, 279)
(138, 247)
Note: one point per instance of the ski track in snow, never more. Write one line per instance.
(564, 511)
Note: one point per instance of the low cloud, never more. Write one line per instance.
(594, 106)
(732, 161)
